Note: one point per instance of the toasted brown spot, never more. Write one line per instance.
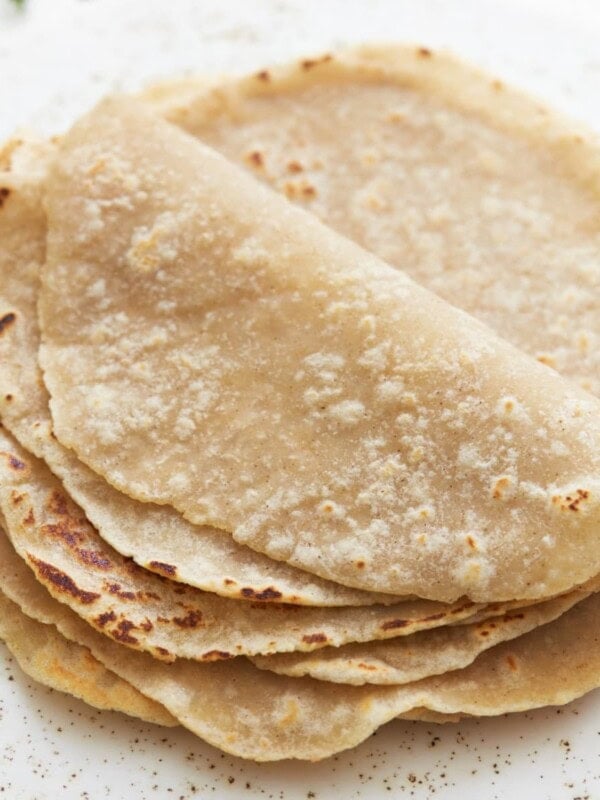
(94, 558)
(392, 624)
(484, 633)
(510, 617)
(309, 63)
(295, 167)
(115, 588)
(216, 655)
(266, 594)
(163, 652)
(314, 638)
(471, 542)
(264, 75)
(16, 498)
(107, 616)
(572, 501)
(255, 157)
(192, 619)
(229, 582)
(57, 503)
(15, 463)
(165, 569)
(462, 608)
(511, 661)
(63, 582)
(7, 320)
(369, 667)
(431, 617)
(497, 85)
(30, 518)
(122, 632)
(360, 564)
(146, 625)
(8, 397)
(424, 52)
(4, 193)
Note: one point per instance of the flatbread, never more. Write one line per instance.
(256, 714)
(47, 657)
(157, 538)
(420, 655)
(148, 612)
(289, 387)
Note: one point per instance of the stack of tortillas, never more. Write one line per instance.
(297, 384)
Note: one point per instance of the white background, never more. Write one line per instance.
(56, 58)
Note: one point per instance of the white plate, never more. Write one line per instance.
(56, 59)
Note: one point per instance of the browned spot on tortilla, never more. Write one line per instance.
(484, 633)
(360, 564)
(512, 663)
(163, 652)
(471, 542)
(510, 617)
(15, 463)
(122, 632)
(266, 594)
(370, 667)
(57, 503)
(229, 582)
(30, 518)
(124, 594)
(314, 638)
(255, 157)
(432, 617)
(17, 498)
(6, 154)
(462, 608)
(4, 194)
(309, 63)
(94, 558)
(424, 52)
(497, 85)
(8, 397)
(572, 501)
(193, 619)
(216, 655)
(64, 583)
(165, 569)
(7, 320)
(146, 625)
(107, 616)
(392, 624)
(295, 167)
(263, 75)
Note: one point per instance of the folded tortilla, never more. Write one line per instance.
(209, 346)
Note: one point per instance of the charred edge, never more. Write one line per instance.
(105, 618)
(460, 609)
(4, 194)
(192, 619)
(309, 63)
(510, 617)
(392, 624)
(433, 617)
(216, 655)
(229, 582)
(122, 632)
(315, 638)
(162, 652)
(9, 318)
(266, 594)
(165, 569)
(63, 582)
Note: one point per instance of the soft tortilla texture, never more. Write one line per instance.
(256, 714)
(47, 657)
(387, 440)
(158, 538)
(145, 611)
(422, 654)
(477, 191)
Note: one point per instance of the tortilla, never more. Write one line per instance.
(157, 538)
(287, 386)
(477, 191)
(148, 612)
(47, 657)
(256, 714)
(420, 655)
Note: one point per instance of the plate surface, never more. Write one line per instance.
(56, 59)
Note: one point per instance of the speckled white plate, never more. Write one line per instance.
(56, 58)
